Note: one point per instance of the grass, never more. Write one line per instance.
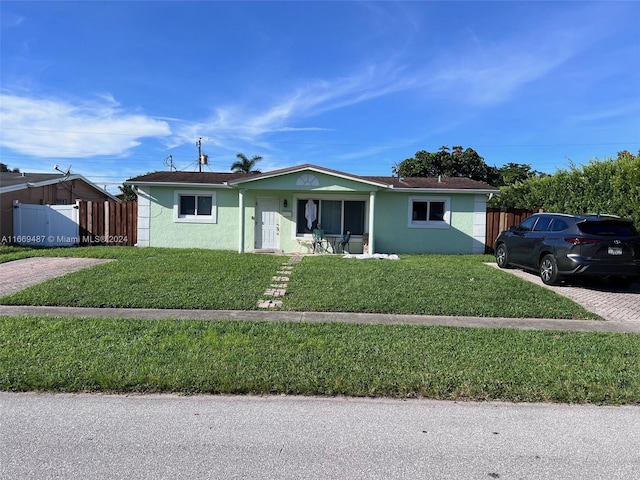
(209, 279)
(124, 355)
(422, 284)
(117, 355)
(157, 278)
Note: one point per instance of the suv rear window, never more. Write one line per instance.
(608, 228)
(558, 225)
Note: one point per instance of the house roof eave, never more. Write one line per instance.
(177, 184)
(53, 181)
(312, 168)
(479, 191)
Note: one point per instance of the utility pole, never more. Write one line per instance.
(199, 144)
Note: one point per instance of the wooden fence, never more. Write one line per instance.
(108, 223)
(116, 223)
(499, 220)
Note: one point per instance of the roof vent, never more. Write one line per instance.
(439, 178)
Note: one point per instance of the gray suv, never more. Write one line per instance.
(558, 246)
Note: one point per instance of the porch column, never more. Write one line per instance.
(372, 209)
(241, 220)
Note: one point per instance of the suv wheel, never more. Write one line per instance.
(549, 270)
(502, 259)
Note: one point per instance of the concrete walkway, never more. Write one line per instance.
(20, 274)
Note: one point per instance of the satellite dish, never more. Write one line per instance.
(66, 174)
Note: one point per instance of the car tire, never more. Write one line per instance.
(549, 270)
(502, 257)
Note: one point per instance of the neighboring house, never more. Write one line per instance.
(43, 189)
(278, 211)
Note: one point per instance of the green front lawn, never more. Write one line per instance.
(117, 355)
(208, 279)
(157, 278)
(124, 355)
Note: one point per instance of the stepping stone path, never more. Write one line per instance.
(278, 285)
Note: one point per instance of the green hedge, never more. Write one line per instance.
(611, 186)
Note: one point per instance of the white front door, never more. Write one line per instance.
(267, 223)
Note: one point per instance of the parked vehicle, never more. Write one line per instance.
(559, 246)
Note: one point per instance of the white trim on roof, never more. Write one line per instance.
(306, 168)
(54, 181)
(178, 184)
(444, 190)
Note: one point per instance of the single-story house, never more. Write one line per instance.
(43, 189)
(279, 210)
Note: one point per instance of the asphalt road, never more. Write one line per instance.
(45, 436)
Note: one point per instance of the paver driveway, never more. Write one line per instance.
(610, 304)
(19, 274)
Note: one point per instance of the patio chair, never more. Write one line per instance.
(344, 244)
(319, 243)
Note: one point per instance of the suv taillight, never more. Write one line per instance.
(582, 241)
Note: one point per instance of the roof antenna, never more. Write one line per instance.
(66, 174)
(168, 162)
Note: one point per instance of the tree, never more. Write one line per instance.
(5, 168)
(512, 173)
(128, 193)
(459, 162)
(244, 164)
(454, 162)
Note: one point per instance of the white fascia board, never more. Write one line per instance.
(177, 184)
(13, 188)
(53, 181)
(445, 190)
(352, 178)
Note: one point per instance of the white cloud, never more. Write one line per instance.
(54, 128)
(309, 99)
(618, 112)
(492, 75)
(10, 20)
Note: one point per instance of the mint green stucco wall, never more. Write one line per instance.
(392, 234)
(165, 232)
(287, 182)
(224, 234)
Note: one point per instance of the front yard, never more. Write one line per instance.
(206, 279)
(236, 357)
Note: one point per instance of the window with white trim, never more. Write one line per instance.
(194, 206)
(429, 212)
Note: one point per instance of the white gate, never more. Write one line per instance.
(45, 225)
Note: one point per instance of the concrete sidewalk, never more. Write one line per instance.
(20, 274)
(363, 318)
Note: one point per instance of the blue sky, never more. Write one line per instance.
(114, 88)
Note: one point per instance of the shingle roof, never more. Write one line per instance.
(219, 178)
(9, 179)
(453, 183)
(14, 181)
(210, 178)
